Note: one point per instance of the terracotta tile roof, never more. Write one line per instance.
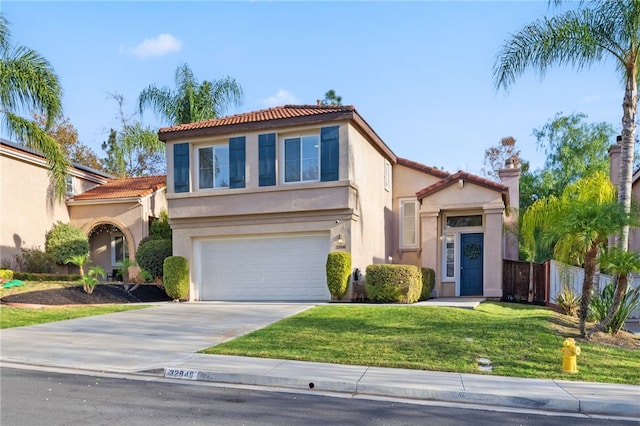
(124, 188)
(452, 179)
(422, 168)
(276, 113)
(273, 119)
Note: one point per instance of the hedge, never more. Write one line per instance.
(28, 276)
(338, 269)
(151, 255)
(176, 277)
(428, 282)
(393, 283)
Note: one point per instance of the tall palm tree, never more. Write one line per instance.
(582, 37)
(578, 224)
(191, 101)
(28, 84)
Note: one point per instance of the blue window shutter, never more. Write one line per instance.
(329, 153)
(237, 160)
(181, 167)
(267, 159)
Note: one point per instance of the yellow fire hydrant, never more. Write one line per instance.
(569, 355)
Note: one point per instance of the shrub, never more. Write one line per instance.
(151, 255)
(6, 275)
(64, 241)
(90, 281)
(34, 260)
(568, 301)
(599, 307)
(176, 277)
(394, 283)
(338, 269)
(160, 228)
(30, 276)
(428, 282)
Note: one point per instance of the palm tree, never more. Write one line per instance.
(578, 225)
(28, 84)
(621, 264)
(582, 37)
(331, 98)
(191, 101)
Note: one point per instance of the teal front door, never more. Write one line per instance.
(471, 255)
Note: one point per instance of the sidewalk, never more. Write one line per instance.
(551, 395)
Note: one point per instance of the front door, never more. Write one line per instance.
(471, 254)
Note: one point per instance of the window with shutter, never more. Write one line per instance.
(237, 160)
(181, 167)
(267, 159)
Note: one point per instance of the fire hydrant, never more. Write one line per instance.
(569, 354)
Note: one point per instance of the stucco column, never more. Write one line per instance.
(430, 245)
(493, 254)
(510, 176)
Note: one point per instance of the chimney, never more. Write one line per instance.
(510, 176)
(319, 102)
(614, 161)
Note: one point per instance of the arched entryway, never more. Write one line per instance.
(110, 242)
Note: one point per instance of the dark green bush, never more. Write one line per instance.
(338, 269)
(393, 283)
(29, 276)
(6, 274)
(64, 241)
(35, 260)
(176, 277)
(151, 255)
(428, 282)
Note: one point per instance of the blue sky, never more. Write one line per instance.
(420, 73)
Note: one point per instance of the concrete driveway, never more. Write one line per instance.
(138, 340)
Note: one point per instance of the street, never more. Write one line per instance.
(38, 398)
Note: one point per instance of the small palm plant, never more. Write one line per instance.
(90, 281)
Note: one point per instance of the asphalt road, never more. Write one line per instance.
(44, 398)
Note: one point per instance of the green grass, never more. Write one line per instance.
(18, 317)
(518, 339)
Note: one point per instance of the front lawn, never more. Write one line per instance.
(519, 340)
(18, 317)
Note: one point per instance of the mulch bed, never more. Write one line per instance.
(102, 294)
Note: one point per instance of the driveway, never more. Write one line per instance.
(138, 340)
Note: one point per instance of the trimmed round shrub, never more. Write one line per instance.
(176, 277)
(338, 273)
(393, 283)
(428, 282)
(64, 241)
(151, 255)
(6, 275)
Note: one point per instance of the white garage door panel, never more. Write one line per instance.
(282, 267)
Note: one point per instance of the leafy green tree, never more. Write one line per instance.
(133, 150)
(28, 83)
(191, 100)
(581, 37)
(64, 241)
(577, 224)
(331, 98)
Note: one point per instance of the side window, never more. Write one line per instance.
(119, 249)
(408, 224)
(449, 256)
(69, 189)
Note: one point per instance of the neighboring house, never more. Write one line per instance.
(113, 213)
(256, 201)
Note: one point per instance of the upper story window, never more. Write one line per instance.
(409, 224)
(302, 159)
(69, 185)
(387, 175)
(213, 167)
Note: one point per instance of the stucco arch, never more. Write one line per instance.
(105, 220)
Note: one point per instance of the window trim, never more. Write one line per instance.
(197, 166)
(283, 153)
(416, 221)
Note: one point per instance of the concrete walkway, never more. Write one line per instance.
(164, 339)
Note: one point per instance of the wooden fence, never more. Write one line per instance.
(515, 281)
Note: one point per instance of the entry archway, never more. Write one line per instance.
(102, 233)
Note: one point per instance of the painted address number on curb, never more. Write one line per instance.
(180, 373)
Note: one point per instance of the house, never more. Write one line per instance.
(114, 213)
(257, 200)
(615, 153)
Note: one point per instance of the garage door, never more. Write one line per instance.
(278, 267)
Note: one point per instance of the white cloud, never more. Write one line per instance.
(281, 98)
(156, 46)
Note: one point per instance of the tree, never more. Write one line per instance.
(496, 157)
(63, 241)
(29, 83)
(67, 136)
(191, 100)
(133, 150)
(331, 98)
(578, 225)
(582, 37)
(574, 149)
